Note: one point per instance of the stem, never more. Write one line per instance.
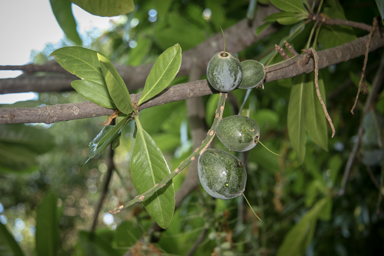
(204, 145)
(224, 41)
(251, 207)
(267, 148)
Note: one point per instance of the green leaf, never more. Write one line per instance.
(116, 86)
(334, 165)
(289, 5)
(8, 245)
(127, 234)
(291, 20)
(17, 158)
(137, 54)
(325, 213)
(262, 27)
(149, 167)
(95, 244)
(296, 116)
(380, 6)
(81, 62)
(315, 121)
(218, 12)
(162, 73)
(95, 92)
(275, 16)
(106, 8)
(298, 238)
(106, 136)
(62, 9)
(47, 226)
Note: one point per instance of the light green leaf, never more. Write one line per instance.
(106, 8)
(296, 117)
(315, 121)
(95, 244)
(47, 226)
(106, 136)
(81, 62)
(279, 15)
(8, 244)
(62, 9)
(325, 213)
(298, 238)
(289, 5)
(149, 167)
(95, 92)
(334, 165)
(162, 73)
(291, 20)
(116, 86)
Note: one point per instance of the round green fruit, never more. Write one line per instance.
(224, 72)
(253, 74)
(221, 174)
(238, 133)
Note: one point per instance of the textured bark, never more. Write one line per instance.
(286, 69)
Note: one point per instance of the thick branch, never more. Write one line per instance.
(286, 69)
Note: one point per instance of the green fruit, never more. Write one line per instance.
(238, 133)
(224, 72)
(221, 174)
(253, 74)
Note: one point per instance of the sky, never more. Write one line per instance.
(27, 25)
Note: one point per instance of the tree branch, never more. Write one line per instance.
(286, 69)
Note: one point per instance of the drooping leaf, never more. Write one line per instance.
(149, 167)
(107, 135)
(95, 92)
(289, 5)
(62, 9)
(106, 8)
(47, 226)
(315, 121)
(296, 117)
(298, 238)
(8, 244)
(116, 86)
(95, 244)
(81, 62)
(162, 73)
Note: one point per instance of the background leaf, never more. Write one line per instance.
(47, 226)
(62, 9)
(95, 92)
(289, 5)
(162, 73)
(116, 86)
(95, 245)
(149, 167)
(8, 244)
(296, 116)
(315, 121)
(106, 7)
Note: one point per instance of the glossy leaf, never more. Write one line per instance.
(296, 116)
(315, 121)
(107, 135)
(95, 244)
(162, 73)
(149, 167)
(298, 238)
(106, 8)
(47, 226)
(81, 62)
(289, 5)
(95, 92)
(116, 86)
(62, 9)
(8, 244)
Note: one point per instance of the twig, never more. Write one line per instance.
(338, 22)
(204, 145)
(198, 242)
(373, 179)
(361, 86)
(316, 57)
(282, 52)
(290, 48)
(107, 179)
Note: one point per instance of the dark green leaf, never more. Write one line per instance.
(296, 116)
(218, 12)
(8, 245)
(106, 8)
(298, 238)
(275, 16)
(95, 92)
(149, 167)
(95, 245)
(17, 158)
(380, 6)
(107, 135)
(47, 226)
(162, 73)
(127, 234)
(116, 86)
(289, 5)
(315, 121)
(262, 27)
(62, 9)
